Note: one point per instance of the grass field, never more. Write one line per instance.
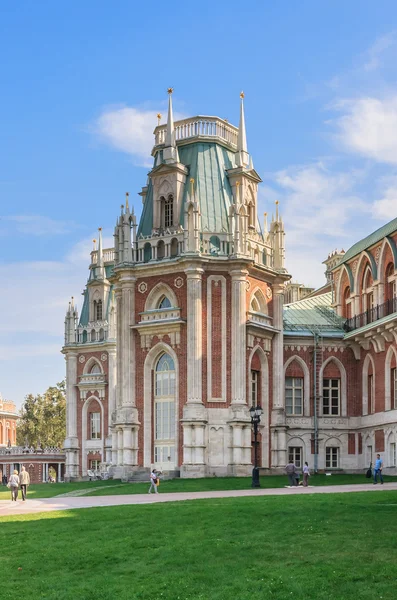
(339, 547)
(115, 487)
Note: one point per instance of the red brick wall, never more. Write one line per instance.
(351, 443)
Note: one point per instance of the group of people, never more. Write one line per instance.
(294, 476)
(16, 481)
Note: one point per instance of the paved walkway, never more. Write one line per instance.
(49, 504)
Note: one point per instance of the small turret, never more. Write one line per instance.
(71, 321)
(277, 240)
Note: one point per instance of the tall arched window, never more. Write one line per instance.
(160, 250)
(164, 412)
(147, 252)
(367, 290)
(168, 211)
(95, 369)
(98, 310)
(390, 283)
(174, 247)
(346, 303)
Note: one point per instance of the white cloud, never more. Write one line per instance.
(373, 56)
(318, 205)
(34, 225)
(385, 207)
(130, 130)
(369, 127)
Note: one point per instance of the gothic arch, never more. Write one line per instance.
(387, 242)
(339, 291)
(154, 296)
(101, 440)
(343, 385)
(306, 382)
(152, 356)
(367, 361)
(392, 352)
(258, 296)
(264, 399)
(364, 257)
(90, 363)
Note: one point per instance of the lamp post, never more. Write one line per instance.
(255, 412)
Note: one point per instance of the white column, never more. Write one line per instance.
(71, 441)
(114, 447)
(128, 352)
(111, 386)
(239, 343)
(194, 334)
(119, 446)
(277, 347)
(127, 446)
(119, 347)
(59, 471)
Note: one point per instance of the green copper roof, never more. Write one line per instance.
(313, 315)
(370, 240)
(207, 163)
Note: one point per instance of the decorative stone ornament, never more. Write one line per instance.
(178, 283)
(104, 357)
(142, 287)
(248, 285)
(269, 292)
(81, 358)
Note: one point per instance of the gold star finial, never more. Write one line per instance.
(242, 95)
(159, 115)
(170, 90)
(99, 228)
(276, 202)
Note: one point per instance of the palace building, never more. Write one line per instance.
(185, 325)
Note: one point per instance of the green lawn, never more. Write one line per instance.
(115, 487)
(331, 547)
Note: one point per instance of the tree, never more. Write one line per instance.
(43, 418)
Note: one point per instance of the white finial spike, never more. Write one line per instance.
(242, 151)
(251, 164)
(99, 261)
(170, 135)
(265, 222)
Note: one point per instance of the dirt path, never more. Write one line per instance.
(70, 502)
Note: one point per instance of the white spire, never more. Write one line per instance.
(100, 272)
(170, 134)
(242, 152)
(170, 153)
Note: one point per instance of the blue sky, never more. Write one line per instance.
(81, 83)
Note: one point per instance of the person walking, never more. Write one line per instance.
(378, 469)
(153, 482)
(13, 485)
(24, 481)
(291, 470)
(306, 474)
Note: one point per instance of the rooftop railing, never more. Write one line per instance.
(371, 315)
(200, 126)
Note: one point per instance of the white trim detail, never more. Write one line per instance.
(222, 280)
(368, 359)
(264, 428)
(150, 362)
(343, 389)
(87, 444)
(389, 355)
(306, 383)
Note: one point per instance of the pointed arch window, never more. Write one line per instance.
(391, 282)
(258, 303)
(367, 290)
(167, 210)
(164, 412)
(164, 302)
(98, 312)
(95, 369)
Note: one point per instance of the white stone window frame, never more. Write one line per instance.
(150, 362)
(264, 399)
(365, 392)
(293, 452)
(88, 444)
(156, 294)
(306, 383)
(390, 403)
(367, 291)
(343, 386)
(333, 452)
(89, 365)
(294, 387)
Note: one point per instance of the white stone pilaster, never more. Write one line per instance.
(239, 342)
(194, 334)
(71, 441)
